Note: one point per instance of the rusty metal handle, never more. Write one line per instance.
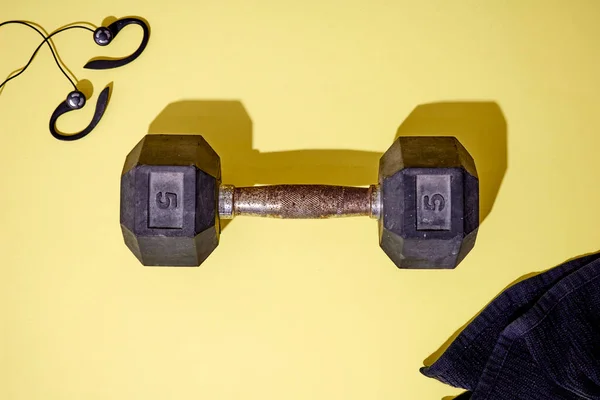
(299, 201)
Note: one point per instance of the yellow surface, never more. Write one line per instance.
(293, 91)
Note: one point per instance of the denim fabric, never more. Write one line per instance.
(539, 339)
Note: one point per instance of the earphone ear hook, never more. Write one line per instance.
(104, 35)
(75, 101)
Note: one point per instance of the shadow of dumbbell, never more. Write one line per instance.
(227, 127)
(480, 127)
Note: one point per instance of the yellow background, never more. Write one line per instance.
(286, 90)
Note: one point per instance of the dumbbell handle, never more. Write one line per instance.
(299, 201)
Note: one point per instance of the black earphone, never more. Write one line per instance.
(104, 35)
(76, 100)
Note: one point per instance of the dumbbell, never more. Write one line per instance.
(426, 201)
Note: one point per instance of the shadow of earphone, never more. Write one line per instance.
(226, 125)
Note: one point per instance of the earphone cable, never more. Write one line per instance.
(46, 40)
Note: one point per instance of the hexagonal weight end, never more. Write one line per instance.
(430, 201)
(169, 195)
(175, 150)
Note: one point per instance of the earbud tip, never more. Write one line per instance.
(103, 36)
(75, 100)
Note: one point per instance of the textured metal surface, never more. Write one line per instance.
(302, 201)
(226, 201)
(376, 204)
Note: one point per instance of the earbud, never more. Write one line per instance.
(75, 101)
(104, 35)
